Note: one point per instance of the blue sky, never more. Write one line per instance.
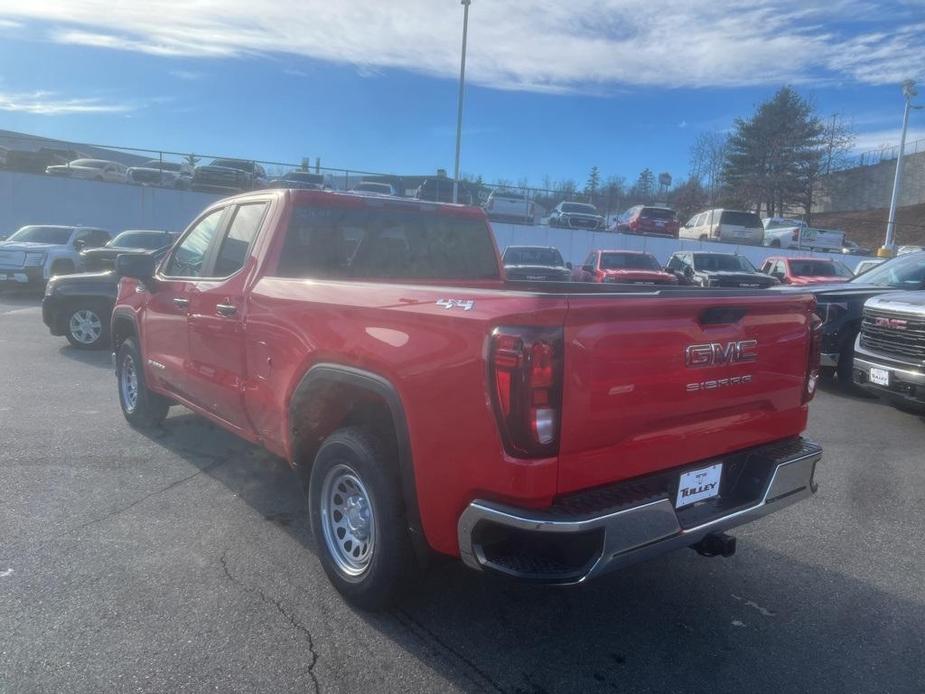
(554, 87)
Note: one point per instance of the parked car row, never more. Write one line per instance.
(691, 268)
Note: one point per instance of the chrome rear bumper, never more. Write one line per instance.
(629, 531)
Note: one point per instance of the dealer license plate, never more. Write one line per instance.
(880, 377)
(697, 485)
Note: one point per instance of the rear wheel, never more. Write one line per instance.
(142, 407)
(775, 243)
(88, 326)
(358, 519)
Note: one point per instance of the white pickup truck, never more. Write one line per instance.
(780, 232)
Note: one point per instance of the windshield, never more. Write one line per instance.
(629, 261)
(139, 239)
(374, 188)
(90, 163)
(234, 164)
(781, 223)
(722, 262)
(818, 268)
(548, 257)
(162, 165)
(35, 234)
(304, 176)
(904, 272)
(579, 208)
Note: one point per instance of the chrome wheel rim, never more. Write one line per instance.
(85, 326)
(348, 521)
(128, 382)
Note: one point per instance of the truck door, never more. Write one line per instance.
(165, 345)
(216, 319)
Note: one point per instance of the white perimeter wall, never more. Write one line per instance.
(33, 199)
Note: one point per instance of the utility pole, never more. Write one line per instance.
(462, 83)
(889, 243)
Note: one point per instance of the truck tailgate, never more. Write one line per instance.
(632, 402)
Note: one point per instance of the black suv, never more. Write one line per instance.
(704, 269)
(841, 306)
(229, 176)
(79, 307)
(440, 189)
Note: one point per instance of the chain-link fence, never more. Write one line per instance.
(208, 172)
(886, 153)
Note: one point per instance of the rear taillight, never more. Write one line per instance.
(813, 362)
(525, 366)
(634, 224)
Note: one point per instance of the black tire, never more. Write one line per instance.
(87, 316)
(775, 243)
(149, 409)
(845, 369)
(704, 237)
(376, 583)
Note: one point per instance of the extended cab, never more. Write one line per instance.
(548, 431)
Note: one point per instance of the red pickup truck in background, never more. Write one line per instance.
(546, 431)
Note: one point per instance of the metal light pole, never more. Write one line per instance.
(462, 83)
(909, 92)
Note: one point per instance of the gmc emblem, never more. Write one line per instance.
(717, 354)
(892, 323)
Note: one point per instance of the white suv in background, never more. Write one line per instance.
(726, 226)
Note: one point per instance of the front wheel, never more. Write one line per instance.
(87, 327)
(143, 408)
(358, 519)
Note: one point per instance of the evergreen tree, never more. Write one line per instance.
(772, 156)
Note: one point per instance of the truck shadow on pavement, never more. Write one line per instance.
(760, 621)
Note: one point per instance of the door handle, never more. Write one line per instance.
(180, 302)
(226, 309)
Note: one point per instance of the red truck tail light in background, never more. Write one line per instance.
(815, 353)
(525, 367)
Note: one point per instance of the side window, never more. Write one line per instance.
(237, 241)
(188, 257)
(766, 268)
(674, 264)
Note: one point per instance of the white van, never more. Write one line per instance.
(726, 226)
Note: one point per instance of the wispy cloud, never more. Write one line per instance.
(886, 139)
(52, 104)
(537, 45)
(188, 75)
(9, 24)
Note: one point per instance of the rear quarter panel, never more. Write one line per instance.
(435, 358)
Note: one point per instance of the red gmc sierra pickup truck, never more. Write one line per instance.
(549, 431)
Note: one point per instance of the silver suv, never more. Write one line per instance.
(36, 252)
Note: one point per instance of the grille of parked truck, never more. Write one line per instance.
(549, 431)
(890, 351)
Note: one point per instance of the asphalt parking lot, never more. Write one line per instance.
(182, 562)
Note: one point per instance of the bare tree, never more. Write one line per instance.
(708, 157)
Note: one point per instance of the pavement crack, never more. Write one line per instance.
(289, 617)
(216, 462)
(475, 674)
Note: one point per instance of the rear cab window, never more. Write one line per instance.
(386, 243)
(748, 220)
